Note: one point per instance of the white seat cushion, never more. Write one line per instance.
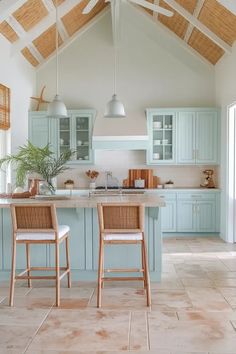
(38, 236)
(123, 237)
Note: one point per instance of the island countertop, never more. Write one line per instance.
(148, 199)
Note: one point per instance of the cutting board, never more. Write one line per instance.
(146, 174)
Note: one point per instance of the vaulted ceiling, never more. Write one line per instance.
(206, 26)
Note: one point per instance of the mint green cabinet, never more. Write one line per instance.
(168, 213)
(197, 212)
(197, 136)
(161, 132)
(73, 132)
(39, 128)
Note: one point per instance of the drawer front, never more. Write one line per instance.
(196, 196)
(167, 195)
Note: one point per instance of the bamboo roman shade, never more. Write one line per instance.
(4, 107)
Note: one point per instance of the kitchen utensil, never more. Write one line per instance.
(139, 183)
(79, 142)
(208, 182)
(157, 125)
(157, 142)
(156, 155)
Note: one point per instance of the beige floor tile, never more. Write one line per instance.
(172, 283)
(197, 282)
(207, 299)
(2, 298)
(184, 270)
(225, 282)
(29, 303)
(196, 336)
(230, 264)
(229, 295)
(84, 330)
(15, 337)
(216, 275)
(170, 300)
(72, 293)
(206, 315)
(138, 338)
(122, 298)
(16, 316)
(19, 291)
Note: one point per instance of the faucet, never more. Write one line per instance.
(107, 175)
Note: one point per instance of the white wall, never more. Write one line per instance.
(20, 77)
(225, 73)
(154, 71)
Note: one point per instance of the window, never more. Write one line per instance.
(231, 193)
(4, 107)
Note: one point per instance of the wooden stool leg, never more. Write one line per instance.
(13, 271)
(100, 272)
(28, 263)
(147, 278)
(57, 275)
(68, 263)
(143, 266)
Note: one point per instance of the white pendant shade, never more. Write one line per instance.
(57, 108)
(114, 109)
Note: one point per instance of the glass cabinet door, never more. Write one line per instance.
(82, 136)
(162, 137)
(64, 134)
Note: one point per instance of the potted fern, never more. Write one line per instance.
(31, 159)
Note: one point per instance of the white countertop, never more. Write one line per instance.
(149, 200)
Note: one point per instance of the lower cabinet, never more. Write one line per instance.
(190, 212)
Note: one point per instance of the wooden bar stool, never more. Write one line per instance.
(122, 223)
(37, 224)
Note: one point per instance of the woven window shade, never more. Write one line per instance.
(4, 107)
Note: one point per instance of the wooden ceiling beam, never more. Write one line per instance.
(196, 13)
(49, 4)
(47, 22)
(7, 7)
(199, 25)
(155, 14)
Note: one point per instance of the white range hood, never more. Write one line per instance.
(120, 134)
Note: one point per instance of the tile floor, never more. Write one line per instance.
(193, 309)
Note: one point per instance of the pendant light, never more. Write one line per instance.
(115, 108)
(57, 108)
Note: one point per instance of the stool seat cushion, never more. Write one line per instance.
(42, 236)
(123, 237)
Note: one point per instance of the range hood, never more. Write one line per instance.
(120, 134)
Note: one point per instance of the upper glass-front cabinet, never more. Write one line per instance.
(74, 132)
(161, 130)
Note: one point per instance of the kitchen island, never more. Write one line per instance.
(80, 213)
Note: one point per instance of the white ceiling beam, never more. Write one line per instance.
(43, 25)
(229, 4)
(75, 36)
(7, 7)
(155, 14)
(196, 13)
(199, 25)
(36, 53)
(165, 29)
(49, 4)
(16, 26)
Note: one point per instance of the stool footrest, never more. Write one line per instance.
(122, 278)
(35, 277)
(124, 270)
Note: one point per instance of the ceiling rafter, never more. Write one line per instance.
(49, 4)
(7, 7)
(155, 14)
(172, 34)
(199, 25)
(196, 13)
(76, 35)
(43, 25)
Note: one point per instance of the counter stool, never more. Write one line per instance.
(37, 224)
(122, 223)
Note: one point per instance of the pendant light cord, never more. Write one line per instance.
(115, 68)
(57, 47)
